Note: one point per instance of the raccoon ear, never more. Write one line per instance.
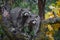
(22, 10)
(6, 13)
(36, 16)
(29, 9)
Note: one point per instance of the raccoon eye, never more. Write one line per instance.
(26, 14)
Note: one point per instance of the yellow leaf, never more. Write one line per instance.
(50, 28)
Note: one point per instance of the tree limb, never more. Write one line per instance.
(51, 20)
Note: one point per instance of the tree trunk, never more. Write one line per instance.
(41, 6)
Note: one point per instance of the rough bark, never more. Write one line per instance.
(41, 6)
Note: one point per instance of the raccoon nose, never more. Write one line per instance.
(34, 22)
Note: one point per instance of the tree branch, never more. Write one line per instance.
(51, 20)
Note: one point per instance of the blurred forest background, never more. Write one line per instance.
(50, 31)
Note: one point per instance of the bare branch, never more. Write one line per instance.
(51, 20)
